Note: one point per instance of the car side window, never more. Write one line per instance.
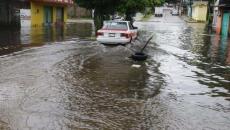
(130, 27)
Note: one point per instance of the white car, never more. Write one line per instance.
(118, 18)
(116, 32)
(175, 13)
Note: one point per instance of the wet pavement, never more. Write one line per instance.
(60, 80)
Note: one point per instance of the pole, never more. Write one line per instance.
(190, 8)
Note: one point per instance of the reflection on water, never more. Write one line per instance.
(208, 47)
(224, 48)
(82, 30)
(210, 54)
(12, 40)
(196, 66)
(216, 49)
(9, 41)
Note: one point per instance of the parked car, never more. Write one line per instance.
(116, 32)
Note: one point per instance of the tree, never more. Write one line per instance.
(130, 7)
(172, 1)
(104, 8)
(157, 2)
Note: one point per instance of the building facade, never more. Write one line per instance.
(223, 18)
(43, 12)
(200, 10)
(75, 11)
(49, 12)
(9, 12)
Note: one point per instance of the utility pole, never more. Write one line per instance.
(181, 7)
(190, 4)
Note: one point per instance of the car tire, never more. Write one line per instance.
(139, 56)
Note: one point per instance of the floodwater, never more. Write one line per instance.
(61, 80)
(13, 39)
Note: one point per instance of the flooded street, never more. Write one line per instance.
(58, 79)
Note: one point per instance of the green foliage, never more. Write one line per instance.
(133, 6)
(157, 2)
(111, 6)
(104, 8)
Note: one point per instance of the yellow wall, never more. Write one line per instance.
(54, 14)
(199, 12)
(37, 14)
(65, 14)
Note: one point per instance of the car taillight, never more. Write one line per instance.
(127, 35)
(99, 34)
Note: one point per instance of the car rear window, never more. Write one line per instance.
(115, 25)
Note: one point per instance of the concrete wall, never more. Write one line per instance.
(75, 11)
(37, 13)
(219, 24)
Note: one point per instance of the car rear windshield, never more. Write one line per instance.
(115, 25)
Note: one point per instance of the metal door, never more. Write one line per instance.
(48, 15)
(60, 15)
(225, 24)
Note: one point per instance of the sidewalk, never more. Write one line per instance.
(79, 21)
(190, 20)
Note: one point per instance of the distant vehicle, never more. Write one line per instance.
(116, 32)
(174, 13)
(170, 5)
(159, 11)
(119, 18)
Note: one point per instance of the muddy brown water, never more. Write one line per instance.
(61, 80)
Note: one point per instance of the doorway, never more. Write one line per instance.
(48, 15)
(225, 24)
(59, 15)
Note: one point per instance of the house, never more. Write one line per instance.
(200, 10)
(49, 12)
(43, 12)
(223, 20)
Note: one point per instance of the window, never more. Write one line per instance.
(130, 26)
(115, 25)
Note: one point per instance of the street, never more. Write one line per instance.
(72, 83)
